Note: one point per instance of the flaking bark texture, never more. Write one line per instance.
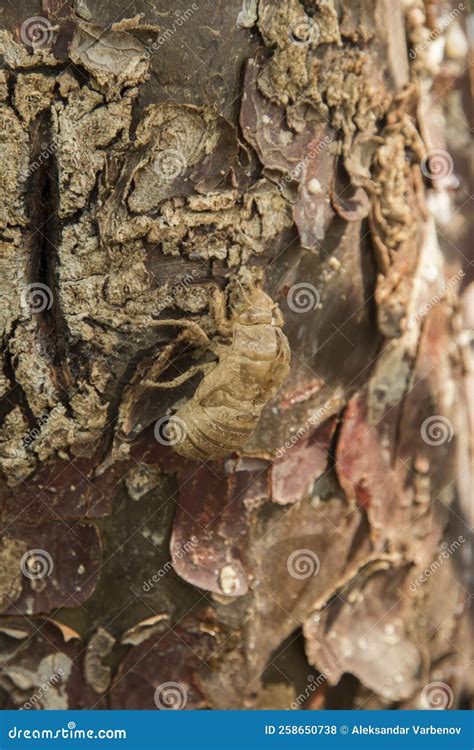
(148, 158)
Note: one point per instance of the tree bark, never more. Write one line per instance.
(319, 150)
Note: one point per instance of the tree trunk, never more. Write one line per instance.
(309, 148)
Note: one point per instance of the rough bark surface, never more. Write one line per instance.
(150, 156)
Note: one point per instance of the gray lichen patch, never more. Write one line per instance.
(3, 85)
(38, 383)
(77, 432)
(11, 551)
(14, 164)
(13, 276)
(84, 123)
(125, 193)
(33, 94)
(240, 230)
(83, 128)
(340, 85)
(142, 194)
(16, 462)
(16, 55)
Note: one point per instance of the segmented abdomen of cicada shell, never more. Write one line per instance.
(212, 432)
